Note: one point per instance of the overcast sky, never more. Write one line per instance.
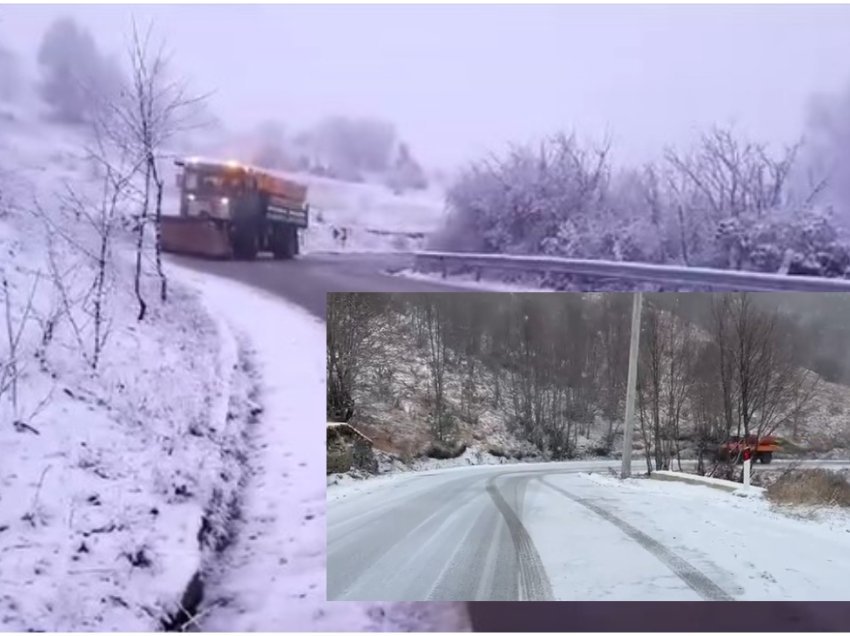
(462, 80)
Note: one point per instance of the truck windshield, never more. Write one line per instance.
(212, 183)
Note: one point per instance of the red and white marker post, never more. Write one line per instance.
(748, 462)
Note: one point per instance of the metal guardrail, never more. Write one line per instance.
(729, 280)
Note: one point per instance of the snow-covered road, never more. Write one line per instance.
(272, 578)
(555, 532)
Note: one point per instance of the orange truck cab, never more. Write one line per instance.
(761, 449)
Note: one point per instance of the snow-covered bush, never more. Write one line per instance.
(801, 242)
(526, 202)
(726, 202)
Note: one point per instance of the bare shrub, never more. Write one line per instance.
(497, 451)
(86, 225)
(17, 313)
(810, 487)
(443, 450)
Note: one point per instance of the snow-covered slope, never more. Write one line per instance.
(109, 476)
(106, 476)
(393, 409)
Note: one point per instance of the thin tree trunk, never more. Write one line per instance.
(140, 241)
(98, 299)
(163, 281)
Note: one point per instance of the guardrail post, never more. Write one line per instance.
(478, 274)
(444, 266)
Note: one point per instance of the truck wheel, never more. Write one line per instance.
(766, 457)
(286, 243)
(245, 246)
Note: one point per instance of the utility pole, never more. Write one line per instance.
(631, 386)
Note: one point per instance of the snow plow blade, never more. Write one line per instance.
(195, 237)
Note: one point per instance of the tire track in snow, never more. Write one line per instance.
(691, 576)
(534, 582)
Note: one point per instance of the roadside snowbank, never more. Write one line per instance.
(712, 482)
(469, 282)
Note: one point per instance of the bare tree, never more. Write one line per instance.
(353, 343)
(735, 176)
(87, 225)
(763, 385)
(665, 376)
(728, 182)
(611, 357)
(436, 325)
(147, 118)
(707, 407)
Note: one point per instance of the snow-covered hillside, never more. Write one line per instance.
(393, 409)
(394, 397)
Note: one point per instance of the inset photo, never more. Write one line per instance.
(588, 446)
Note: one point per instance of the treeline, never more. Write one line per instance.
(727, 202)
(716, 365)
(555, 365)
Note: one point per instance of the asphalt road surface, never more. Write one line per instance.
(305, 280)
(481, 534)
(453, 535)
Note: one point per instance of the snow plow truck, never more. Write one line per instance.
(231, 210)
(760, 448)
